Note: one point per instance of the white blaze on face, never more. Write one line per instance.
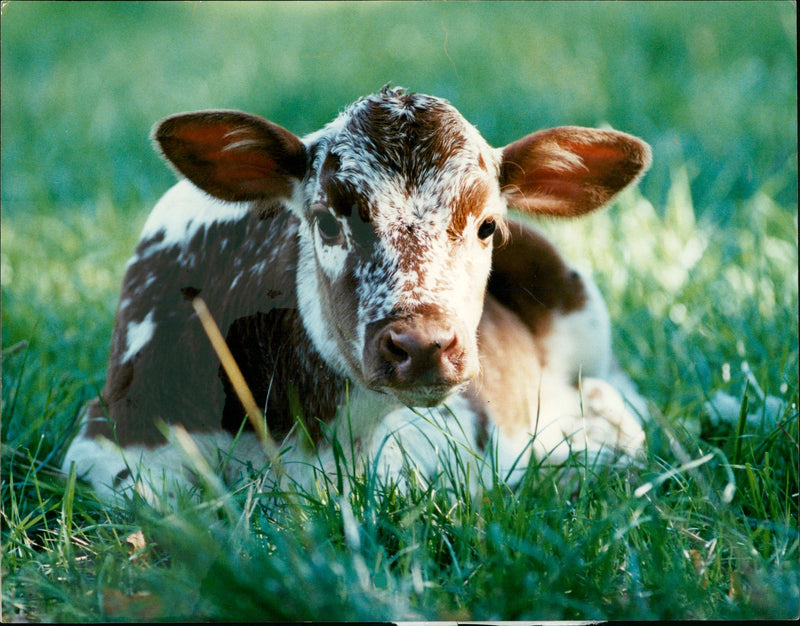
(423, 262)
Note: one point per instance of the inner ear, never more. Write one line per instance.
(570, 170)
(232, 155)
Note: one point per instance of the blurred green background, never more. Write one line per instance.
(710, 84)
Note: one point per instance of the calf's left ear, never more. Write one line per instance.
(570, 170)
(232, 155)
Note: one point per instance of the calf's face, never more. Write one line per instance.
(398, 201)
(396, 239)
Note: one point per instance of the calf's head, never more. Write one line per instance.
(398, 201)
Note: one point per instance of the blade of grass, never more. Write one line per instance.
(737, 450)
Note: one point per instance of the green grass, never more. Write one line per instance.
(698, 266)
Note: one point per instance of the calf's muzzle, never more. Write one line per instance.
(419, 358)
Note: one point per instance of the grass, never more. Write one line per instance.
(592, 550)
(698, 266)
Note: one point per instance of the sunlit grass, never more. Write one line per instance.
(698, 266)
(717, 528)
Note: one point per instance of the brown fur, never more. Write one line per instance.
(530, 278)
(471, 202)
(510, 369)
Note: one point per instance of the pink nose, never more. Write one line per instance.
(420, 353)
(420, 358)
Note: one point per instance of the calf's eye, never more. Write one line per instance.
(328, 227)
(487, 228)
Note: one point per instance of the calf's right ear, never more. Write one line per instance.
(232, 155)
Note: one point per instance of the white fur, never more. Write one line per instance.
(137, 335)
(594, 426)
(332, 258)
(182, 211)
(441, 443)
(315, 321)
(579, 345)
(159, 473)
(580, 342)
(592, 421)
(98, 461)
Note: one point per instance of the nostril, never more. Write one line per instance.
(447, 342)
(394, 347)
(423, 347)
(415, 352)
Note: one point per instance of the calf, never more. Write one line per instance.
(363, 270)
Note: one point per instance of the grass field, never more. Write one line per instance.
(698, 265)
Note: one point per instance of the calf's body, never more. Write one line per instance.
(368, 283)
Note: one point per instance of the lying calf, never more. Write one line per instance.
(359, 271)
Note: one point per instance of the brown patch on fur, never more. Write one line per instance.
(330, 166)
(510, 369)
(410, 135)
(411, 243)
(471, 202)
(340, 195)
(343, 198)
(266, 347)
(531, 279)
(175, 376)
